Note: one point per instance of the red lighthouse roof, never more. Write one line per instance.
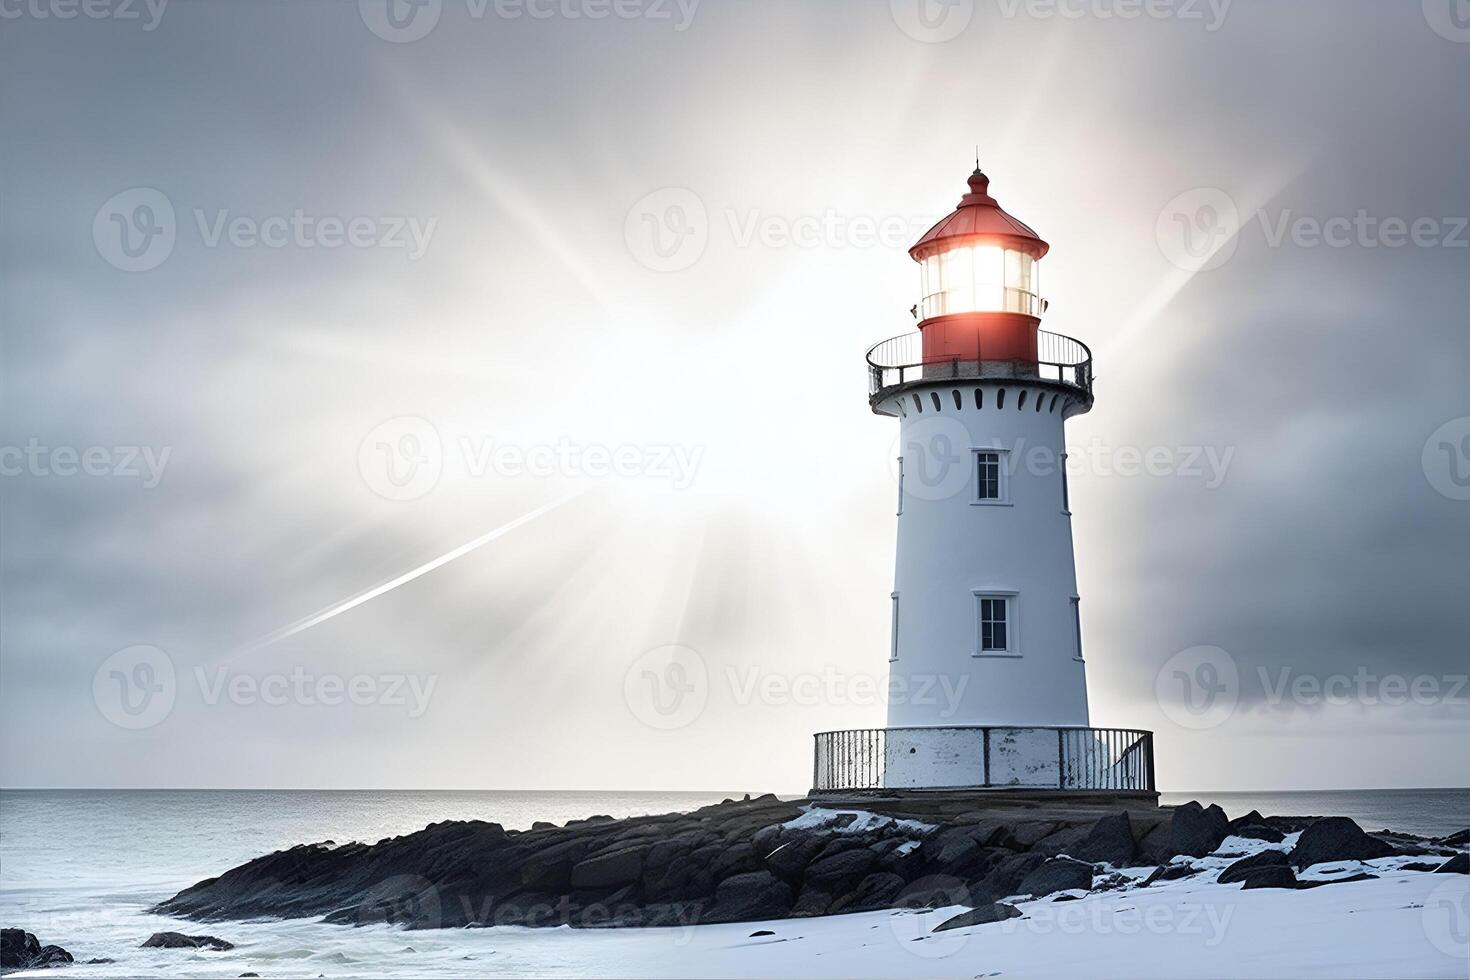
(978, 218)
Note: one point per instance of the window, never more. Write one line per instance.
(1066, 488)
(893, 642)
(991, 483)
(995, 628)
(900, 485)
(1077, 627)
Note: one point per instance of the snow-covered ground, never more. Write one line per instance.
(1404, 924)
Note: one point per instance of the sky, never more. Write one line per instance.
(471, 395)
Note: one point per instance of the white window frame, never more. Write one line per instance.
(1066, 489)
(1003, 474)
(893, 640)
(1013, 621)
(1076, 604)
(899, 512)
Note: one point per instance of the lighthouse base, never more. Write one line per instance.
(984, 758)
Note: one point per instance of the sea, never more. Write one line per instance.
(80, 868)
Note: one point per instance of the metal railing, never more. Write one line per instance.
(900, 360)
(989, 757)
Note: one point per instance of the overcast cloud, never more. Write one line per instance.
(455, 229)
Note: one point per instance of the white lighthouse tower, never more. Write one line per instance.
(988, 682)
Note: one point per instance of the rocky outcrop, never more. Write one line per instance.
(1337, 839)
(979, 916)
(1196, 831)
(177, 940)
(1057, 875)
(1457, 865)
(19, 950)
(1246, 866)
(1110, 841)
(747, 860)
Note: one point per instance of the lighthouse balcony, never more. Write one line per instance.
(968, 757)
(899, 363)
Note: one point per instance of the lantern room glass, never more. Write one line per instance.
(979, 279)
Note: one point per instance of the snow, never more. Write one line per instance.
(1403, 924)
(821, 818)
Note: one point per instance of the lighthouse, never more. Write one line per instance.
(988, 679)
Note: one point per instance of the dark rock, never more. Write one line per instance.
(811, 901)
(1028, 833)
(933, 892)
(1259, 831)
(979, 916)
(1241, 869)
(1005, 878)
(1336, 839)
(1170, 872)
(1197, 831)
(1056, 875)
(609, 869)
(550, 869)
(788, 862)
(950, 848)
(1063, 841)
(1421, 866)
(761, 932)
(1270, 876)
(766, 840)
(903, 861)
(542, 825)
(177, 940)
(876, 891)
(751, 896)
(1457, 865)
(19, 950)
(1252, 819)
(1360, 876)
(736, 859)
(1110, 841)
(840, 873)
(1459, 839)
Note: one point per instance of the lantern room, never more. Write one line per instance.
(980, 297)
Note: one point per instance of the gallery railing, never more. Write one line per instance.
(900, 360)
(1054, 758)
